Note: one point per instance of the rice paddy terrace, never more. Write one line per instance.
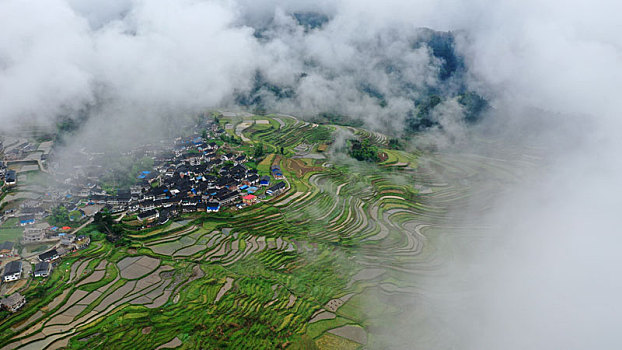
(315, 267)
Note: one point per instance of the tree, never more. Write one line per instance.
(103, 221)
(394, 143)
(364, 151)
(114, 232)
(60, 216)
(259, 150)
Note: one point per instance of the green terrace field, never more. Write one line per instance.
(313, 268)
(10, 230)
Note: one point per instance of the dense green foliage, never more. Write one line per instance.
(230, 139)
(122, 172)
(259, 150)
(59, 216)
(114, 232)
(363, 151)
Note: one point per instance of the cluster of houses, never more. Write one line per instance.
(189, 174)
(194, 175)
(14, 270)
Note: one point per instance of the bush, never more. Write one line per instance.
(363, 151)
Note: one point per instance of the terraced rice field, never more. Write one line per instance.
(317, 264)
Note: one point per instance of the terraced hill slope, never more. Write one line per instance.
(316, 266)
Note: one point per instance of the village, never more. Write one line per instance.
(194, 173)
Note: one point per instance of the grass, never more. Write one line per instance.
(10, 230)
(263, 167)
(331, 341)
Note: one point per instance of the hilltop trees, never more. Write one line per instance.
(363, 151)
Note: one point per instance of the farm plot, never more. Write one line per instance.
(134, 267)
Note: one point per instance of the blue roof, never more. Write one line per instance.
(146, 172)
(243, 187)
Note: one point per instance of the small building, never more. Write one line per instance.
(276, 172)
(249, 199)
(276, 189)
(148, 215)
(7, 249)
(11, 177)
(49, 256)
(253, 180)
(264, 180)
(13, 302)
(33, 234)
(12, 271)
(212, 207)
(227, 197)
(27, 220)
(164, 217)
(42, 269)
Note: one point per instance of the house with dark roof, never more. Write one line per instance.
(240, 159)
(42, 269)
(148, 215)
(164, 216)
(227, 197)
(276, 189)
(147, 205)
(212, 207)
(11, 177)
(50, 255)
(264, 180)
(12, 271)
(253, 180)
